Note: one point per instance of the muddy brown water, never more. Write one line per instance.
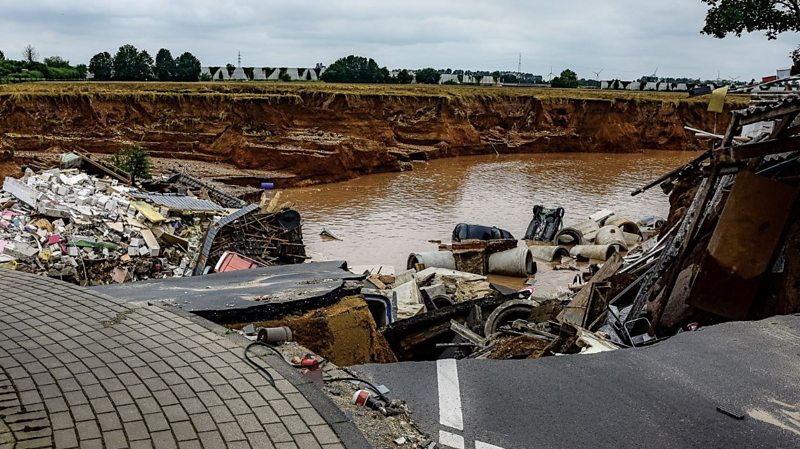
(382, 218)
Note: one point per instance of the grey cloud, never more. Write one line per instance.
(626, 38)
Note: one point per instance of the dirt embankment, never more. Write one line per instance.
(307, 136)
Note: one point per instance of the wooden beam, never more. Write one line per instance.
(769, 115)
(780, 128)
(765, 148)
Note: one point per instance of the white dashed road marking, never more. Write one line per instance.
(449, 394)
(450, 414)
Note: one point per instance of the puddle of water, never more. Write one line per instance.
(382, 218)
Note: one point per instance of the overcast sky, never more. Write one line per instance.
(624, 38)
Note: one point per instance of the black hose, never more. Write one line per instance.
(259, 367)
(372, 387)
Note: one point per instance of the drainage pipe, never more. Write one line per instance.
(432, 259)
(596, 252)
(623, 223)
(611, 235)
(548, 253)
(577, 234)
(513, 262)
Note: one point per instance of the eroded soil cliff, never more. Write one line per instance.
(294, 136)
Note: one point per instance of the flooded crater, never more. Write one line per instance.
(382, 218)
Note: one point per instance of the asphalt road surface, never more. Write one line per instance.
(664, 396)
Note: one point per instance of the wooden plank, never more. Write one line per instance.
(765, 148)
(575, 312)
(152, 243)
(743, 245)
(769, 115)
(148, 211)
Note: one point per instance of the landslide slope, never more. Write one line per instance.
(304, 133)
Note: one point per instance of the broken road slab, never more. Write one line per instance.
(661, 397)
(247, 295)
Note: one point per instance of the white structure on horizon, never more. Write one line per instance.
(262, 73)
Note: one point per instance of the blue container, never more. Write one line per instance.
(267, 185)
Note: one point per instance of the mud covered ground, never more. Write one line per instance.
(305, 133)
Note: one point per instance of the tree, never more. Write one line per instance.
(125, 62)
(355, 69)
(102, 66)
(773, 17)
(404, 77)
(567, 78)
(30, 54)
(2, 56)
(496, 76)
(56, 61)
(187, 67)
(428, 76)
(795, 55)
(144, 66)
(131, 64)
(165, 68)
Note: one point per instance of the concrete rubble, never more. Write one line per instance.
(89, 230)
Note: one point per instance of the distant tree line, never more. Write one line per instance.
(358, 69)
(30, 68)
(132, 64)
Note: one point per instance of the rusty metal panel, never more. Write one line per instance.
(743, 245)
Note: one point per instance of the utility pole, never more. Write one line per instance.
(519, 65)
(240, 59)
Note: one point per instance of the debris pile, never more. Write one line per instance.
(90, 230)
(729, 250)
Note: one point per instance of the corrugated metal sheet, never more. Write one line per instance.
(180, 202)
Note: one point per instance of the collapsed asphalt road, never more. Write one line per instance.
(733, 385)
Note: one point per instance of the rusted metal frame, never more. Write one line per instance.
(765, 148)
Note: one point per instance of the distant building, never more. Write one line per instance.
(225, 73)
(454, 78)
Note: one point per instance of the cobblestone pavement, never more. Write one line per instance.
(79, 369)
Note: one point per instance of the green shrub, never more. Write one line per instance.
(134, 160)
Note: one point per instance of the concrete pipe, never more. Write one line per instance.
(577, 234)
(631, 239)
(611, 235)
(507, 312)
(593, 252)
(432, 259)
(548, 253)
(513, 262)
(623, 223)
(274, 334)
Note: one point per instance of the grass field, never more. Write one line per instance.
(244, 90)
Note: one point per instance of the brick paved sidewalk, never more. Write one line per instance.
(79, 369)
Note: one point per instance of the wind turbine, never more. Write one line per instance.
(550, 75)
(655, 74)
(597, 74)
